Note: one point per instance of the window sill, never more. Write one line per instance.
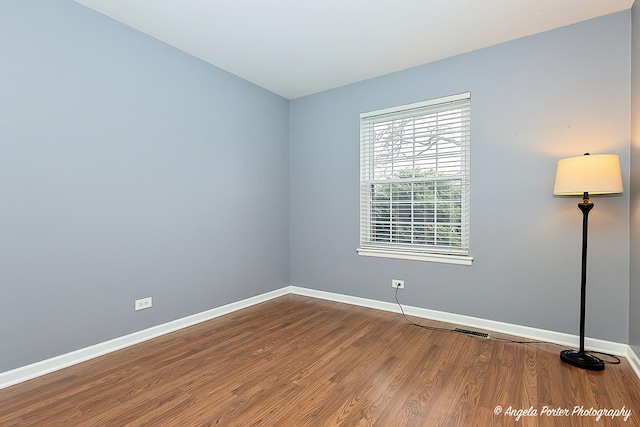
(447, 259)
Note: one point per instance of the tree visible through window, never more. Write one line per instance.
(414, 188)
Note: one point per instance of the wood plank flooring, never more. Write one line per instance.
(298, 361)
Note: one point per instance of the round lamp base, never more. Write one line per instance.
(582, 360)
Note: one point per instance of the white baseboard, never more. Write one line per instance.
(474, 322)
(634, 361)
(37, 369)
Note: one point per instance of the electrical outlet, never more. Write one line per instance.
(143, 303)
(395, 283)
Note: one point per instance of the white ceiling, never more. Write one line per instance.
(299, 47)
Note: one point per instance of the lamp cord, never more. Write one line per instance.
(615, 361)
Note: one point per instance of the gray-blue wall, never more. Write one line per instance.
(127, 169)
(634, 279)
(534, 100)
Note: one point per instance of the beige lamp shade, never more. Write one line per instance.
(593, 174)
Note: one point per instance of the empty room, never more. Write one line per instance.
(310, 213)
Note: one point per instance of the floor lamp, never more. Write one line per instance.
(582, 176)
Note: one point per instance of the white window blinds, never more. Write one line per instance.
(414, 177)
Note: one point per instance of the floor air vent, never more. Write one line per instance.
(472, 333)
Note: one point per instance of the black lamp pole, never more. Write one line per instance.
(580, 358)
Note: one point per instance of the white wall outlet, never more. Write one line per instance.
(395, 283)
(143, 303)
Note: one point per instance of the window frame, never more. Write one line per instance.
(414, 251)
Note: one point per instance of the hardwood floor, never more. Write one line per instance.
(298, 361)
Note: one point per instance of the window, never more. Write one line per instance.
(414, 181)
